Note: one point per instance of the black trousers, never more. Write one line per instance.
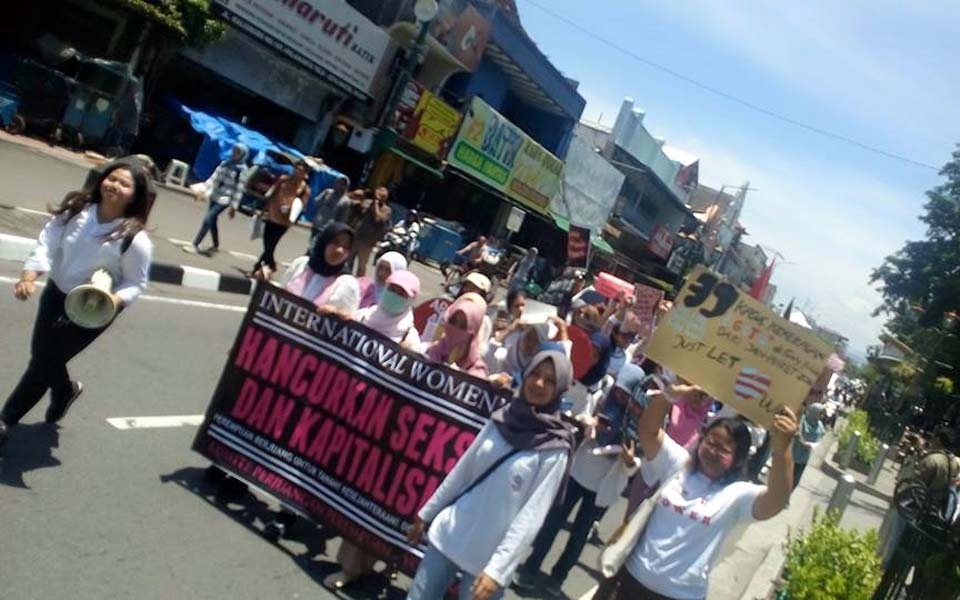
(56, 340)
(586, 515)
(272, 232)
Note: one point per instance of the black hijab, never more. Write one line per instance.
(317, 262)
(526, 427)
(604, 348)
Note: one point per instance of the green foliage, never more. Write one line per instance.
(188, 20)
(869, 446)
(828, 562)
(944, 385)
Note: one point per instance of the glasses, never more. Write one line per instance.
(717, 447)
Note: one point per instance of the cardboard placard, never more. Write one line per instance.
(736, 349)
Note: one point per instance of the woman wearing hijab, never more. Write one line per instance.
(322, 276)
(584, 396)
(388, 264)
(510, 474)
(226, 187)
(811, 432)
(601, 467)
(393, 317)
(393, 314)
(510, 351)
(460, 343)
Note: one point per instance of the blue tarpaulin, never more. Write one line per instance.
(221, 134)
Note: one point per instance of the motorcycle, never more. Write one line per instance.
(400, 239)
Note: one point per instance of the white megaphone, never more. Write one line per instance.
(91, 305)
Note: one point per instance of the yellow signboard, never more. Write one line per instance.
(736, 349)
(438, 122)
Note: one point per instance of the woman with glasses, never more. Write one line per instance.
(702, 500)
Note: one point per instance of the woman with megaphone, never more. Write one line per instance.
(96, 233)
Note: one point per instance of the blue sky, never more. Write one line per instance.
(881, 72)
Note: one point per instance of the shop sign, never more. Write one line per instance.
(463, 31)
(661, 241)
(330, 38)
(495, 151)
(425, 120)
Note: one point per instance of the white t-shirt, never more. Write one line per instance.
(687, 528)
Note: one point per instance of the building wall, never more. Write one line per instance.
(630, 133)
(488, 81)
(552, 131)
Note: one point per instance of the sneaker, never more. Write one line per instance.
(56, 411)
(525, 581)
(553, 588)
(213, 249)
(191, 249)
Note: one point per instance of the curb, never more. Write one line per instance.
(17, 248)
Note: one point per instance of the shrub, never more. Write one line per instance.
(829, 562)
(869, 446)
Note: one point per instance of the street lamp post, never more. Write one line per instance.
(424, 11)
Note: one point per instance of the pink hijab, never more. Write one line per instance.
(473, 307)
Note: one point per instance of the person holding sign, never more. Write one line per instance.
(460, 345)
(490, 507)
(700, 500)
(323, 275)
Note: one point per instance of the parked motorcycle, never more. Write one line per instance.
(401, 238)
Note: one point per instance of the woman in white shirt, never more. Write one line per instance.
(487, 511)
(703, 499)
(96, 228)
(323, 276)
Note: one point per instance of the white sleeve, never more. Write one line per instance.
(456, 480)
(48, 243)
(296, 267)
(670, 458)
(135, 269)
(529, 520)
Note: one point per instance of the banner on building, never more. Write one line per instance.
(660, 242)
(578, 246)
(590, 187)
(463, 30)
(338, 422)
(498, 153)
(425, 120)
(736, 349)
(329, 38)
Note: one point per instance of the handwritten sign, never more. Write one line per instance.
(736, 349)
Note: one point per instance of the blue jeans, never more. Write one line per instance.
(210, 224)
(434, 576)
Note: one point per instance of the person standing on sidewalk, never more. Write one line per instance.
(226, 186)
(701, 500)
(285, 200)
(810, 434)
(373, 224)
(97, 228)
(489, 508)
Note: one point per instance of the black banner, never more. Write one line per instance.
(338, 422)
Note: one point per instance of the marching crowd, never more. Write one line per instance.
(625, 426)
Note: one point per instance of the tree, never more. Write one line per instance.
(186, 20)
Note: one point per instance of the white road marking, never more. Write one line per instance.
(242, 255)
(177, 242)
(163, 300)
(33, 212)
(156, 422)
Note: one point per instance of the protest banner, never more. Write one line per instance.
(429, 315)
(338, 423)
(646, 301)
(736, 349)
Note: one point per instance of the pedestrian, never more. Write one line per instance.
(671, 542)
(511, 351)
(392, 317)
(326, 204)
(487, 511)
(602, 465)
(374, 222)
(510, 311)
(520, 272)
(285, 200)
(323, 276)
(460, 344)
(386, 265)
(101, 227)
(810, 434)
(225, 190)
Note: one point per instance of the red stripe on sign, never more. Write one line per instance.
(748, 393)
(755, 376)
(751, 385)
